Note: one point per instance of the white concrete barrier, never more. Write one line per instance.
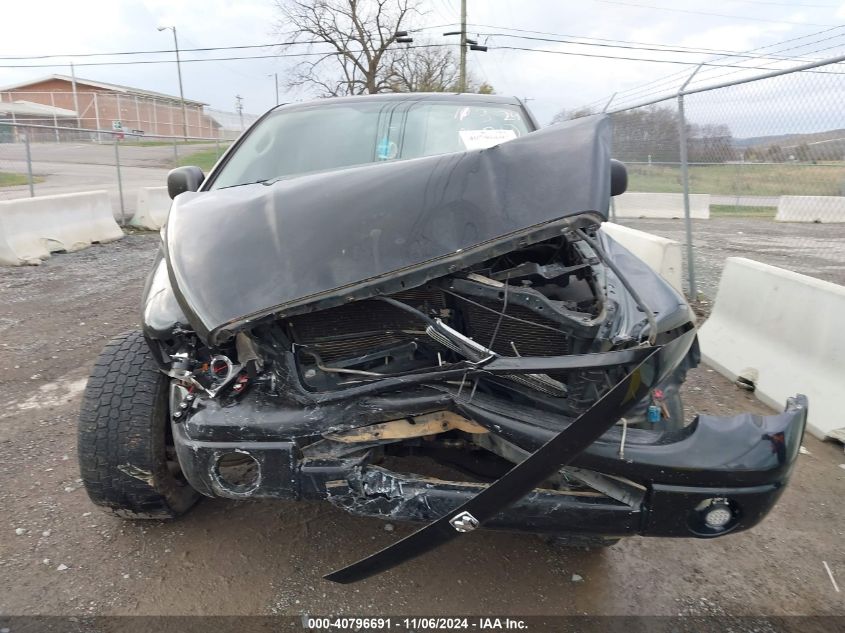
(152, 208)
(661, 254)
(632, 204)
(823, 209)
(32, 228)
(787, 328)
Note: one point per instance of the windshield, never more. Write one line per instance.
(331, 136)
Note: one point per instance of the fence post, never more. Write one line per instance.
(55, 119)
(217, 147)
(119, 179)
(682, 140)
(175, 151)
(29, 165)
(97, 115)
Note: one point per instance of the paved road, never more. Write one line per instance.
(263, 558)
(73, 167)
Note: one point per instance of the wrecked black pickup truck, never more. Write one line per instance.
(404, 305)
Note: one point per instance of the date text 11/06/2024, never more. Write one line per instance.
(424, 623)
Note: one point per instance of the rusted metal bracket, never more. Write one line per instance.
(417, 426)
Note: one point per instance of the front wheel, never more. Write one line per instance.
(126, 455)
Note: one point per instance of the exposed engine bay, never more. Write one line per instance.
(547, 299)
(538, 301)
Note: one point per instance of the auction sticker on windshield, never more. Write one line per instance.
(482, 139)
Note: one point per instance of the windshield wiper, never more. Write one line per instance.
(265, 181)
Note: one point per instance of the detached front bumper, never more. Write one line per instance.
(741, 462)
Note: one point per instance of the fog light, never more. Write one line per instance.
(718, 516)
(714, 516)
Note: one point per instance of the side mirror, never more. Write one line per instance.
(184, 179)
(618, 177)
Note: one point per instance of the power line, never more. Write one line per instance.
(765, 66)
(633, 59)
(200, 49)
(623, 44)
(653, 87)
(682, 50)
(618, 41)
(158, 51)
(678, 74)
(335, 53)
(721, 15)
(206, 59)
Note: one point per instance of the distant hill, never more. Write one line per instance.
(827, 145)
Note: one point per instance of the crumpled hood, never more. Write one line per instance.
(307, 242)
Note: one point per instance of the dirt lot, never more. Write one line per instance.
(60, 555)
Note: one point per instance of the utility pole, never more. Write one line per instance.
(239, 108)
(179, 72)
(462, 82)
(464, 43)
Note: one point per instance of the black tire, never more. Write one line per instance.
(126, 457)
(582, 541)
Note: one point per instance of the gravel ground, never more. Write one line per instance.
(60, 555)
(817, 250)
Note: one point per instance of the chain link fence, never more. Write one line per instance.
(40, 160)
(764, 156)
(68, 141)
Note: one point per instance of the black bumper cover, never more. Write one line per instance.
(745, 458)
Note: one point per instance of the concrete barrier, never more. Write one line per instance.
(823, 209)
(152, 208)
(661, 205)
(661, 254)
(32, 228)
(786, 331)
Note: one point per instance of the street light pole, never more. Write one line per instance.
(179, 72)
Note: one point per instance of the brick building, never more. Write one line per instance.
(99, 105)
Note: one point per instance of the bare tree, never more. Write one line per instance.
(425, 69)
(430, 69)
(356, 36)
(568, 115)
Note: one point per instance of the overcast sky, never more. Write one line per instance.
(552, 81)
